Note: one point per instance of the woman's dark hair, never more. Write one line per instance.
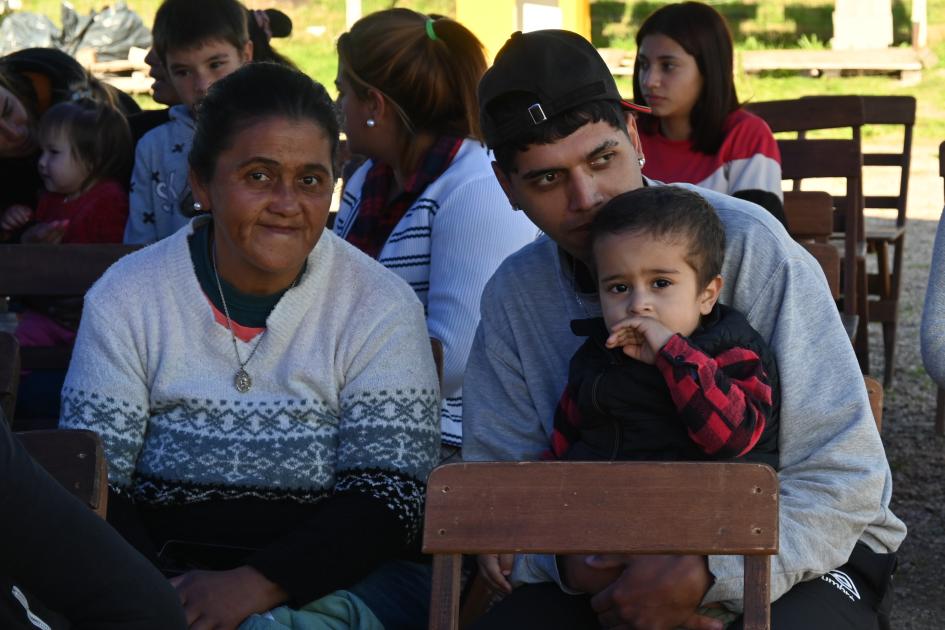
(668, 213)
(427, 68)
(702, 33)
(41, 77)
(183, 24)
(264, 25)
(98, 134)
(255, 92)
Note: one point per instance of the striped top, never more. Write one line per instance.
(447, 245)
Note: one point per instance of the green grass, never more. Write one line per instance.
(760, 24)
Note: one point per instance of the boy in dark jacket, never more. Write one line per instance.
(668, 373)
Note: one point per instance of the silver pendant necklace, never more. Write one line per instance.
(242, 381)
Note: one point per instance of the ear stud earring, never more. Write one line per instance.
(370, 122)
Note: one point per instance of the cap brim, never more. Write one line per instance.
(635, 107)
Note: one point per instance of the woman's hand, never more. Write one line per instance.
(640, 337)
(221, 600)
(15, 217)
(50, 233)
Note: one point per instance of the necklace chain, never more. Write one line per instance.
(242, 381)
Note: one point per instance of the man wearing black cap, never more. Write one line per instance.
(565, 144)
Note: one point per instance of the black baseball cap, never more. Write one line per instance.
(560, 68)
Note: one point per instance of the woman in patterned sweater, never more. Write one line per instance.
(425, 204)
(697, 132)
(261, 386)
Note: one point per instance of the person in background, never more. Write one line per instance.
(425, 204)
(197, 43)
(262, 27)
(31, 81)
(63, 566)
(697, 133)
(84, 164)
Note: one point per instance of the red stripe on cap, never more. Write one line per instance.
(643, 109)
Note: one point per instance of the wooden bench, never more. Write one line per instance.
(591, 507)
(53, 271)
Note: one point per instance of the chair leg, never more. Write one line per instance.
(889, 353)
(861, 344)
(940, 412)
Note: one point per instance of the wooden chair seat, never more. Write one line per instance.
(591, 507)
(74, 458)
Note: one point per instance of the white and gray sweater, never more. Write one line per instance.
(447, 246)
(344, 395)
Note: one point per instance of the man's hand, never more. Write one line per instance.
(496, 568)
(640, 337)
(654, 592)
(50, 233)
(15, 217)
(578, 575)
(221, 600)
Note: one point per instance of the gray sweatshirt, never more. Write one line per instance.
(933, 315)
(835, 480)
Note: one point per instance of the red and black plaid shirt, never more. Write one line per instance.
(376, 217)
(722, 400)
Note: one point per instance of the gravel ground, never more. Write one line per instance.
(916, 455)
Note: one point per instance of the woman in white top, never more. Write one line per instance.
(425, 203)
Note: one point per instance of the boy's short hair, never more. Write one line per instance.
(538, 80)
(186, 24)
(98, 134)
(670, 213)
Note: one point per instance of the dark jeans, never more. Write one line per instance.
(856, 596)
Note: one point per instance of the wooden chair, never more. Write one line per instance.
(803, 158)
(9, 374)
(590, 507)
(74, 458)
(884, 284)
(53, 271)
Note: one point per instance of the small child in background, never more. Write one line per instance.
(197, 43)
(668, 373)
(84, 164)
(85, 160)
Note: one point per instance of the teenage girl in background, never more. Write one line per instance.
(697, 132)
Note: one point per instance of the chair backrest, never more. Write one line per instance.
(53, 271)
(813, 113)
(815, 159)
(9, 374)
(591, 507)
(74, 458)
(888, 111)
(809, 216)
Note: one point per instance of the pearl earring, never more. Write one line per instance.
(370, 122)
(641, 160)
(197, 206)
